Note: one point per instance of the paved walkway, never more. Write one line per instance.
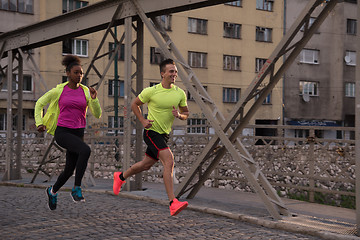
(318, 221)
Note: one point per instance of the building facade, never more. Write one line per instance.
(320, 84)
(16, 14)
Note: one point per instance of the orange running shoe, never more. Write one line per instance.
(117, 183)
(177, 206)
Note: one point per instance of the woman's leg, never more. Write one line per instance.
(78, 154)
(70, 165)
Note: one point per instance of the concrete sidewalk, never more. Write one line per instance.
(323, 221)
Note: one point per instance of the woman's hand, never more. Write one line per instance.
(41, 128)
(93, 92)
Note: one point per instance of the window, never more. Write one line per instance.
(76, 47)
(196, 125)
(15, 122)
(259, 63)
(191, 98)
(165, 21)
(4, 4)
(349, 89)
(231, 95)
(197, 26)
(231, 63)
(311, 21)
(301, 133)
(26, 6)
(121, 55)
(267, 100)
(308, 88)
(111, 88)
(266, 5)
(155, 55)
(350, 58)
(265, 132)
(351, 27)
(310, 56)
(235, 3)
(4, 86)
(111, 123)
(3, 119)
(263, 34)
(22, 6)
(197, 59)
(232, 30)
(70, 5)
(2, 122)
(27, 83)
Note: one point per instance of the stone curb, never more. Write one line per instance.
(289, 227)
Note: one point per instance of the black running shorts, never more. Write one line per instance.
(155, 142)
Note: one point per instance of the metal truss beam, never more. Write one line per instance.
(127, 96)
(92, 18)
(357, 125)
(14, 101)
(31, 64)
(213, 115)
(96, 57)
(256, 88)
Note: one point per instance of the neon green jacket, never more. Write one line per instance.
(52, 98)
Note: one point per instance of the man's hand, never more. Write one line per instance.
(41, 128)
(147, 123)
(175, 112)
(93, 92)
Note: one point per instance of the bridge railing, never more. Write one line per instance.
(305, 162)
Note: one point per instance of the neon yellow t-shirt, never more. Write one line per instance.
(160, 104)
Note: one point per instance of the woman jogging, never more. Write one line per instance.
(66, 120)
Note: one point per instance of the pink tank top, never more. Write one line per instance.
(72, 104)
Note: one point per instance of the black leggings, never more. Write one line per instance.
(77, 155)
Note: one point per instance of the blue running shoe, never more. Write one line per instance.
(52, 198)
(77, 195)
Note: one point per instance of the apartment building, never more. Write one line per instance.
(320, 84)
(13, 15)
(226, 45)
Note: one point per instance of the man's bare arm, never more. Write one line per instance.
(183, 114)
(135, 107)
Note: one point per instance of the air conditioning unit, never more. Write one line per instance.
(347, 59)
(306, 97)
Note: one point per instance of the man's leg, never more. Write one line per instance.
(167, 159)
(138, 167)
(119, 178)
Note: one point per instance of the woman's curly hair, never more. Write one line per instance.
(69, 61)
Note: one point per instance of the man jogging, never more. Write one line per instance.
(163, 100)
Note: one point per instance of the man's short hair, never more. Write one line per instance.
(166, 62)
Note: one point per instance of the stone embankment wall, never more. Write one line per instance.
(303, 170)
